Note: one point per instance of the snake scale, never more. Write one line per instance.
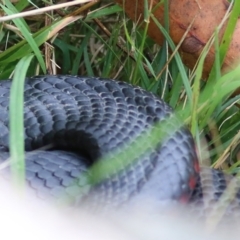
(84, 119)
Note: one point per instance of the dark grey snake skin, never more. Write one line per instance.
(90, 118)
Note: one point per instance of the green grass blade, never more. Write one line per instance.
(77, 60)
(227, 37)
(177, 58)
(104, 12)
(139, 55)
(226, 40)
(21, 24)
(22, 48)
(65, 55)
(22, 4)
(16, 122)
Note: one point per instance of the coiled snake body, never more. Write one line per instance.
(89, 118)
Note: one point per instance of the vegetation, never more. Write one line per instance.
(97, 39)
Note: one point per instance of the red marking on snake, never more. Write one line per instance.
(192, 182)
(196, 166)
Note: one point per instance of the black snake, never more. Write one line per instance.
(85, 119)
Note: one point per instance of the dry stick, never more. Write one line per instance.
(83, 8)
(44, 9)
(48, 50)
(176, 49)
